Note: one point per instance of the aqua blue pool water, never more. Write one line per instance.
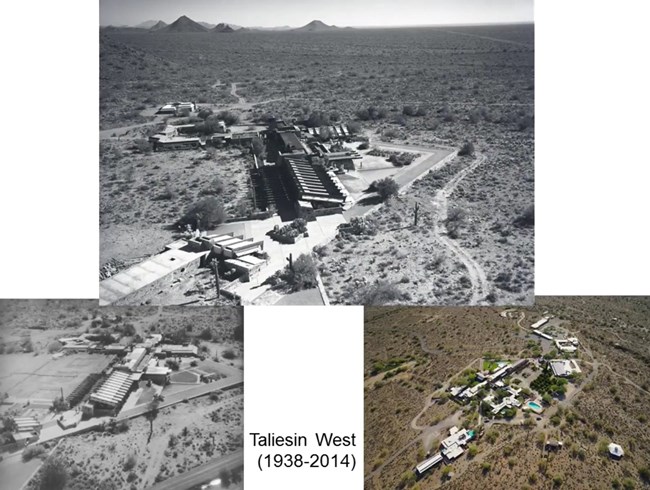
(534, 406)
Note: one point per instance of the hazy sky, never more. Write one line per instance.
(299, 12)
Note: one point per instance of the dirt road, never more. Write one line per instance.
(496, 39)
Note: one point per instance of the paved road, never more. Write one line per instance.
(14, 473)
(202, 474)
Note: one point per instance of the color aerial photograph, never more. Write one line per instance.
(550, 396)
(120, 397)
(304, 153)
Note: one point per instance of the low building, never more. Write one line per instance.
(22, 439)
(27, 424)
(176, 108)
(157, 374)
(114, 391)
(311, 183)
(457, 437)
(554, 445)
(246, 266)
(542, 334)
(139, 281)
(173, 350)
(540, 323)
(615, 451)
(564, 367)
(428, 463)
(565, 345)
(132, 360)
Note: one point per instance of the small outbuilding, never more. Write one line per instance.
(615, 451)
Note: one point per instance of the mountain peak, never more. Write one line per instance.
(316, 26)
(184, 24)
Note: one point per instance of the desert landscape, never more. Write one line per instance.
(427, 133)
(120, 397)
(561, 403)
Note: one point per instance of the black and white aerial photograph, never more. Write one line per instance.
(121, 397)
(308, 153)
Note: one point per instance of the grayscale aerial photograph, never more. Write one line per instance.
(550, 396)
(120, 397)
(296, 153)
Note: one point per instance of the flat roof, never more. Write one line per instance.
(428, 463)
(453, 451)
(114, 390)
(147, 272)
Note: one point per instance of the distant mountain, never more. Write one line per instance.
(183, 24)
(316, 26)
(121, 29)
(278, 28)
(148, 24)
(158, 25)
(221, 27)
(207, 25)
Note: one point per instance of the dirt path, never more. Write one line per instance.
(506, 41)
(480, 285)
(233, 92)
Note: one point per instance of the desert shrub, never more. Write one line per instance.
(363, 146)
(130, 462)
(467, 149)
(206, 213)
(379, 293)
(53, 347)
(644, 474)
(171, 364)
(324, 133)
(372, 113)
(121, 427)
(228, 117)
(238, 333)
(390, 134)
(526, 218)
(206, 334)
(354, 127)
(628, 484)
(525, 122)
(455, 220)
(142, 146)
(317, 119)
(215, 188)
(228, 354)
(53, 475)
(408, 110)
(358, 225)
(303, 275)
(205, 113)
(401, 159)
(31, 452)
(166, 195)
(386, 187)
